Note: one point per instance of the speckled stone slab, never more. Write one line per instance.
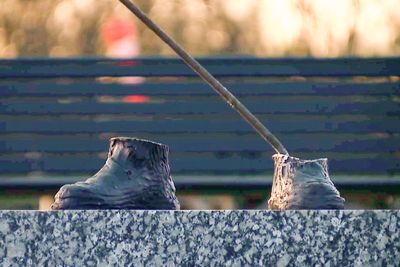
(200, 238)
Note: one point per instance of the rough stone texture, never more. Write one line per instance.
(302, 184)
(200, 238)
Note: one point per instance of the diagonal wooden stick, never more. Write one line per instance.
(206, 76)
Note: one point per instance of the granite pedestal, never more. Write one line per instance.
(200, 238)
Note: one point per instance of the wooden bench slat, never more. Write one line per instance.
(213, 142)
(182, 88)
(207, 162)
(205, 125)
(237, 67)
(54, 124)
(277, 105)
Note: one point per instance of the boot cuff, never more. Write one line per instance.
(126, 147)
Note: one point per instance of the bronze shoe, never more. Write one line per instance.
(136, 175)
(303, 184)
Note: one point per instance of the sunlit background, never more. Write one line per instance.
(322, 28)
(265, 28)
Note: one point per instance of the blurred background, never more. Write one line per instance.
(261, 28)
(63, 28)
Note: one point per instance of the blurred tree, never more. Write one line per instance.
(256, 27)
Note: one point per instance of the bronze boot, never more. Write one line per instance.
(303, 184)
(136, 175)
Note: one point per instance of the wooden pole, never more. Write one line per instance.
(211, 80)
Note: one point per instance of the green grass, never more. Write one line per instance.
(19, 201)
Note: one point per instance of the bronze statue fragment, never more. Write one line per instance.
(295, 186)
(136, 175)
(303, 184)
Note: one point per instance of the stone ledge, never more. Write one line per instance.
(200, 238)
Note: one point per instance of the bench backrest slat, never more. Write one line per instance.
(207, 162)
(193, 124)
(221, 67)
(194, 88)
(54, 115)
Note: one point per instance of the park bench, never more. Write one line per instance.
(58, 114)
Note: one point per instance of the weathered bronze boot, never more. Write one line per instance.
(136, 175)
(303, 184)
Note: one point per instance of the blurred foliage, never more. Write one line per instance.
(18, 200)
(255, 27)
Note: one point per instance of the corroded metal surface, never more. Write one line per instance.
(303, 184)
(136, 175)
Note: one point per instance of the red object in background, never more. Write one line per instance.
(120, 38)
(127, 63)
(115, 29)
(136, 99)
